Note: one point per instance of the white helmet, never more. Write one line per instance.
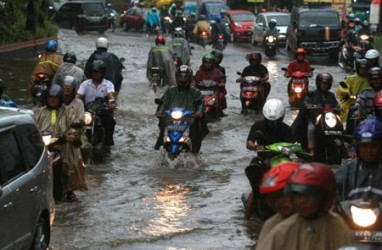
(70, 81)
(102, 43)
(371, 54)
(273, 109)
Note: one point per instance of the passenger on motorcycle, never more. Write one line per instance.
(152, 21)
(272, 188)
(365, 170)
(218, 54)
(48, 63)
(312, 191)
(183, 95)
(202, 26)
(208, 71)
(113, 64)
(99, 87)
(56, 117)
(180, 47)
(218, 28)
(355, 83)
(68, 68)
(5, 101)
(160, 56)
(303, 126)
(255, 68)
(372, 57)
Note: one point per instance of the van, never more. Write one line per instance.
(211, 9)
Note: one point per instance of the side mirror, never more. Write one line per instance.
(344, 85)
(158, 101)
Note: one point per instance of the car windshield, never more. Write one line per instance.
(282, 20)
(215, 9)
(92, 9)
(319, 19)
(243, 17)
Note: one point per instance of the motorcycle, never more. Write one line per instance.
(166, 21)
(207, 88)
(219, 43)
(203, 39)
(111, 19)
(362, 212)
(157, 78)
(177, 61)
(40, 89)
(349, 55)
(251, 94)
(270, 46)
(298, 87)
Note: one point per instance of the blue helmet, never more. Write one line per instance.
(351, 16)
(51, 46)
(369, 130)
(218, 19)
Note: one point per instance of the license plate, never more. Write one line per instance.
(250, 89)
(207, 92)
(298, 81)
(368, 236)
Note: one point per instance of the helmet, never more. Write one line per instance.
(365, 23)
(272, 23)
(218, 54)
(208, 57)
(254, 56)
(377, 103)
(98, 65)
(70, 57)
(102, 43)
(273, 109)
(178, 32)
(218, 19)
(324, 77)
(369, 130)
(275, 179)
(70, 81)
(357, 20)
(314, 179)
(153, 9)
(160, 40)
(371, 54)
(184, 76)
(51, 46)
(222, 11)
(202, 17)
(300, 51)
(361, 63)
(55, 91)
(351, 16)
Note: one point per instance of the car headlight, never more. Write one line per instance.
(363, 217)
(238, 25)
(176, 114)
(88, 118)
(330, 120)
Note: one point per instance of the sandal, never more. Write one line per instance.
(71, 197)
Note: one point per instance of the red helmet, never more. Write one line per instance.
(316, 179)
(378, 101)
(300, 51)
(276, 178)
(160, 40)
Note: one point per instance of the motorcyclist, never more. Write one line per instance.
(355, 83)
(358, 24)
(190, 24)
(202, 26)
(270, 130)
(271, 187)
(56, 117)
(68, 68)
(178, 21)
(48, 63)
(255, 68)
(218, 54)
(4, 99)
(172, 10)
(153, 20)
(312, 191)
(161, 56)
(113, 64)
(183, 95)
(218, 28)
(271, 30)
(303, 126)
(365, 30)
(372, 57)
(111, 16)
(365, 170)
(208, 71)
(180, 47)
(98, 87)
(351, 43)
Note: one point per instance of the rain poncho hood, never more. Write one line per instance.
(180, 48)
(161, 56)
(69, 69)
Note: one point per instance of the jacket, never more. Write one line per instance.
(161, 56)
(68, 69)
(269, 224)
(201, 26)
(180, 48)
(204, 74)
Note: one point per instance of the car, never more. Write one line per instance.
(262, 21)
(133, 18)
(240, 23)
(26, 188)
(211, 9)
(82, 16)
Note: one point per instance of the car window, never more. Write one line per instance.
(94, 9)
(282, 20)
(32, 145)
(68, 8)
(243, 17)
(132, 12)
(10, 158)
(319, 18)
(215, 9)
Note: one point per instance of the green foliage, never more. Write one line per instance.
(377, 43)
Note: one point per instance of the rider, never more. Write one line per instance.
(4, 99)
(183, 95)
(99, 87)
(365, 30)
(56, 117)
(180, 47)
(303, 126)
(218, 54)
(208, 71)
(172, 10)
(202, 26)
(255, 68)
(178, 21)
(68, 68)
(312, 191)
(153, 20)
(355, 83)
(218, 28)
(161, 56)
(271, 30)
(372, 57)
(271, 187)
(190, 24)
(351, 42)
(48, 63)
(365, 170)
(113, 64)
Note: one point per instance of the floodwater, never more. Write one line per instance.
(137, 198)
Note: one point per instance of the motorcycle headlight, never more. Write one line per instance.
(271, 39)
(88, 118)
(176, 114)
(46, 139)
(167, 139)
(364, 37)
(363, 217)
(298, 89)
(330, 120)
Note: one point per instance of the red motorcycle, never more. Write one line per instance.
(251, 94)
(208, 89)
(298, 87)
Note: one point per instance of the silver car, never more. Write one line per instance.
(261, 23)
(26, 190)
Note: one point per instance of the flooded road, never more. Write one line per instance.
(138, 199)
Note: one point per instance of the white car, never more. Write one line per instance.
(262, 21)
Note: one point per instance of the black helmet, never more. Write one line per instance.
(55, 91)
(374, 73)
(184, 76)
(272, 23)
(217, 53)
(324, 77)
(70, 57)
(360, 64)
(254, 56)
(98, 65)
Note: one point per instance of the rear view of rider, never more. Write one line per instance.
(218, 28)
(202, 26)
(153, 20)
(160, 56)
(68, 68)
(180, 47)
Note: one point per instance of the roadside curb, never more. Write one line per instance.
(23, 45)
